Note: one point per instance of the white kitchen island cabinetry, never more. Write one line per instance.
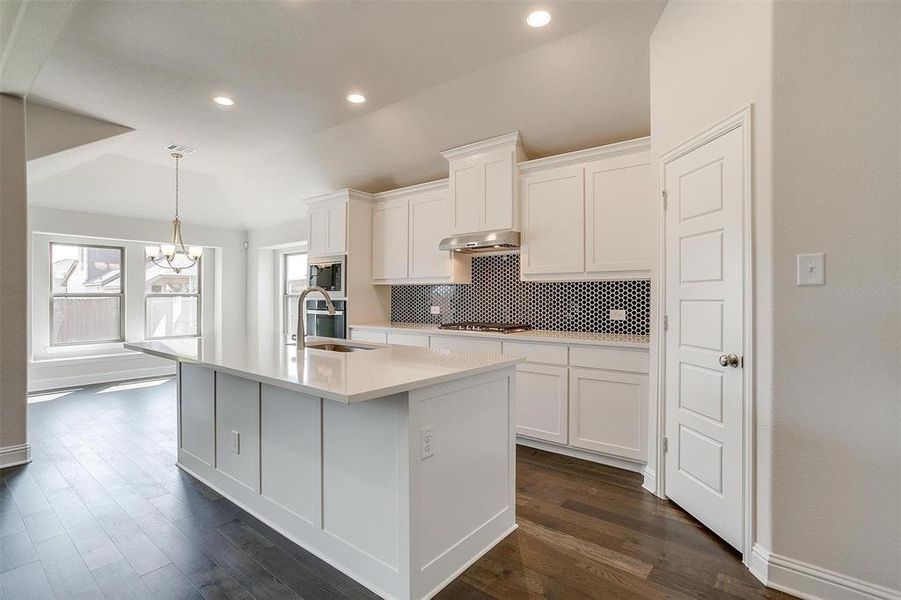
(395, 464)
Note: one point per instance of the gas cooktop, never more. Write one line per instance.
(491, 327)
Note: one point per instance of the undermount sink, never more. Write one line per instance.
(331, 347)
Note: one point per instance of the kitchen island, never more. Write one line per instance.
(394, 464)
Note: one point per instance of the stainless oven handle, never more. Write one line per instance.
(325, 312)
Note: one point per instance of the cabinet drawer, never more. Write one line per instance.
(379, 337)
(537, 353)
(615, 359)
(408, 339)
(461, 344)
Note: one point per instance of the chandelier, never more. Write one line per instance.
(174, 255)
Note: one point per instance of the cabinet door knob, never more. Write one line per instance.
(729, 360)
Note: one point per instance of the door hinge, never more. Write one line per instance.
(665, 322)
(665, 445)
(663, 195)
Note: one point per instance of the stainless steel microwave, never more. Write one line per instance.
(329, 275)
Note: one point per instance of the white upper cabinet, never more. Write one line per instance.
(390, 234)
(428, 226)
(328, 228)
(588, 215)
(619, 214)
(407, 226)
(482, 183)
(552, 218)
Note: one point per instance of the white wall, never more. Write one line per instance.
(262, 268)
(836, 480)
(709, 60)
(82, 366)
(825, 82)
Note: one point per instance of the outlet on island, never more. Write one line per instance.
(426, 443)
(236, 442)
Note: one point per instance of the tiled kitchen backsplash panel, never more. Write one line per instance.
(497, 295)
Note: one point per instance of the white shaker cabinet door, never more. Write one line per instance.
(541, 402)
(428, 226)
(390, 236)
(553, 222)
(608, 412)
(467, 194)
(319, 230)
(497, 211)
(337, 229)
(619, 215)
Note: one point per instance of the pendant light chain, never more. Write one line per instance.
(177, 156)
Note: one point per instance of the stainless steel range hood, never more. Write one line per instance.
(484, 241)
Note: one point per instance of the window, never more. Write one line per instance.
(294, 278)
(87, 297)
(171, 301)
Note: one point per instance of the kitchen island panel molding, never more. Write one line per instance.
(360, 484)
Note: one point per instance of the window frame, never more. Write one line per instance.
(121, 295)
(198, 295)
(287, 298)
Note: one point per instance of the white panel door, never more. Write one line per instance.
(704, 291)
(619, 214)
(553, 223)
(428, 226)
(541, 402)
(497, 210)
(319, 230)
(390, 236)
(467, 194)
(608, 412)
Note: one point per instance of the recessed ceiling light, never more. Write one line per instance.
(356, 98)
(538, 18)
(224, 101)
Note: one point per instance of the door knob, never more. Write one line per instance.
(729, 360)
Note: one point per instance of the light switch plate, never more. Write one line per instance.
(617, 314)
(435, 310)
(812, 269)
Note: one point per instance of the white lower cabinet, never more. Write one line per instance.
(408, 339)
(541, 402)
(608, 412)
(462, 344)
(378, 337)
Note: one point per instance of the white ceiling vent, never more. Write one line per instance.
(183, 150)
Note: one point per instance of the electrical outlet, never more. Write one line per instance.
(435, 310)
(426, 441)
(236, 442)
(812, 269)
(617, 315)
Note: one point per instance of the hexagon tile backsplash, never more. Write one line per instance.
(497, 295)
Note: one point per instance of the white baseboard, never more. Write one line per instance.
(603, 459)
(811, 582)
(650, 479)
(11, 456)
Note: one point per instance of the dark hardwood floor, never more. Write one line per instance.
(102, 512)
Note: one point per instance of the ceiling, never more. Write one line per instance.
(437, 74)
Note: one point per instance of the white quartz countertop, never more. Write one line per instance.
(340, 376)
(534, 335)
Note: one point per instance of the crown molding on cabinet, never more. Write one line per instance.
(588, 155)
(439, 185)
(341, 195)
(510, 140)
